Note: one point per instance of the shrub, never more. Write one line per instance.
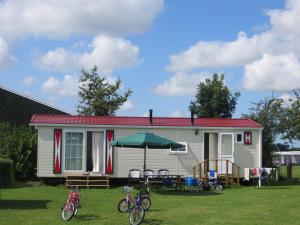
(20, 145)
(6, 172)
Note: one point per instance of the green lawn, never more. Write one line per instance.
(41, 205)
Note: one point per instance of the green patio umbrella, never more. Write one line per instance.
(146, 141)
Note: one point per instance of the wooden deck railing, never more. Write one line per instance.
(229, 177)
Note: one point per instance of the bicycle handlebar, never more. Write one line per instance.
(127, 189)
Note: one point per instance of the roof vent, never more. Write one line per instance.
(192, 117)
(150, 116)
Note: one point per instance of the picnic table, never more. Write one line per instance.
(165, 180)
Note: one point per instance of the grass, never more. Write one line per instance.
(34, 204)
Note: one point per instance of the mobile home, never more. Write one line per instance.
(77, 144)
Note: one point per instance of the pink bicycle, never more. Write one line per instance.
(72, 204)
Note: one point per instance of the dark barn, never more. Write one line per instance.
(18, 109)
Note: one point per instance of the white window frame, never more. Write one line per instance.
(176, 152)
(242, 140)
(83, 150)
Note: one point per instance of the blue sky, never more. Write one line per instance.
(159, 49)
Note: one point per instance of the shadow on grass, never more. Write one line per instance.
(87, 217)
(152, 221)
(24, 184)
(186, 193)
(24, 204)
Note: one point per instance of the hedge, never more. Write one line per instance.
(6, 172)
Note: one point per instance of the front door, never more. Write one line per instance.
(98, 151)
(226, 152)
(95, 151)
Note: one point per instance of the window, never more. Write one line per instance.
(239, 138)
(74, 151)
(287, 159)
(182, 150)
(276, 159)
(226, 144)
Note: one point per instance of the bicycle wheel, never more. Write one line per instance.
(146, 202)
(67, 211)
(136, 215)
(123, 205)
(77, 205)
(219, 187)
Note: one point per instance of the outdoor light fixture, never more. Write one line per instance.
(196, 132)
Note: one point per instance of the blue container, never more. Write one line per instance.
(189, 181)
(195, 182)
(212, 173)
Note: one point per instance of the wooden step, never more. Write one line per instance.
(87, 181)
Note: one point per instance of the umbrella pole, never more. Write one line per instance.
(145, 162)
(145, 158)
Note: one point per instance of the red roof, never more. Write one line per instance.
(143, 121)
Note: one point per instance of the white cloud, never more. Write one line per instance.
(176, 113)
(62, 18)
(280, 72)
(128, 105)
(28, 81)
(69, 86)
(238, 52)
(261, 27)
(279, 42)
(218, 53)
(108, 53)
(181, 84)
(58, 59)
(285, 22)
(6, 58)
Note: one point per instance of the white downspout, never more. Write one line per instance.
(260, 154)
(260, 149)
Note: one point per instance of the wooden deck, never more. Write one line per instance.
(87, 181)
(229, 176)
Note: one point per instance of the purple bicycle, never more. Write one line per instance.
(129, 201)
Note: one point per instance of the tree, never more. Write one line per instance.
(214, 99)
(268, 112)
(20, 145)
(291, 120)
(98, 97)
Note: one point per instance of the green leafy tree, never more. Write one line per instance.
(97, 96)
(268, 112)
(291, 120)
(20, 145)
(214, 99)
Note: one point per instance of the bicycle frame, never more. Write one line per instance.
(129, 198)
(73, 197)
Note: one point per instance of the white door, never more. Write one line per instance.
(226, 152)
(97, 150)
